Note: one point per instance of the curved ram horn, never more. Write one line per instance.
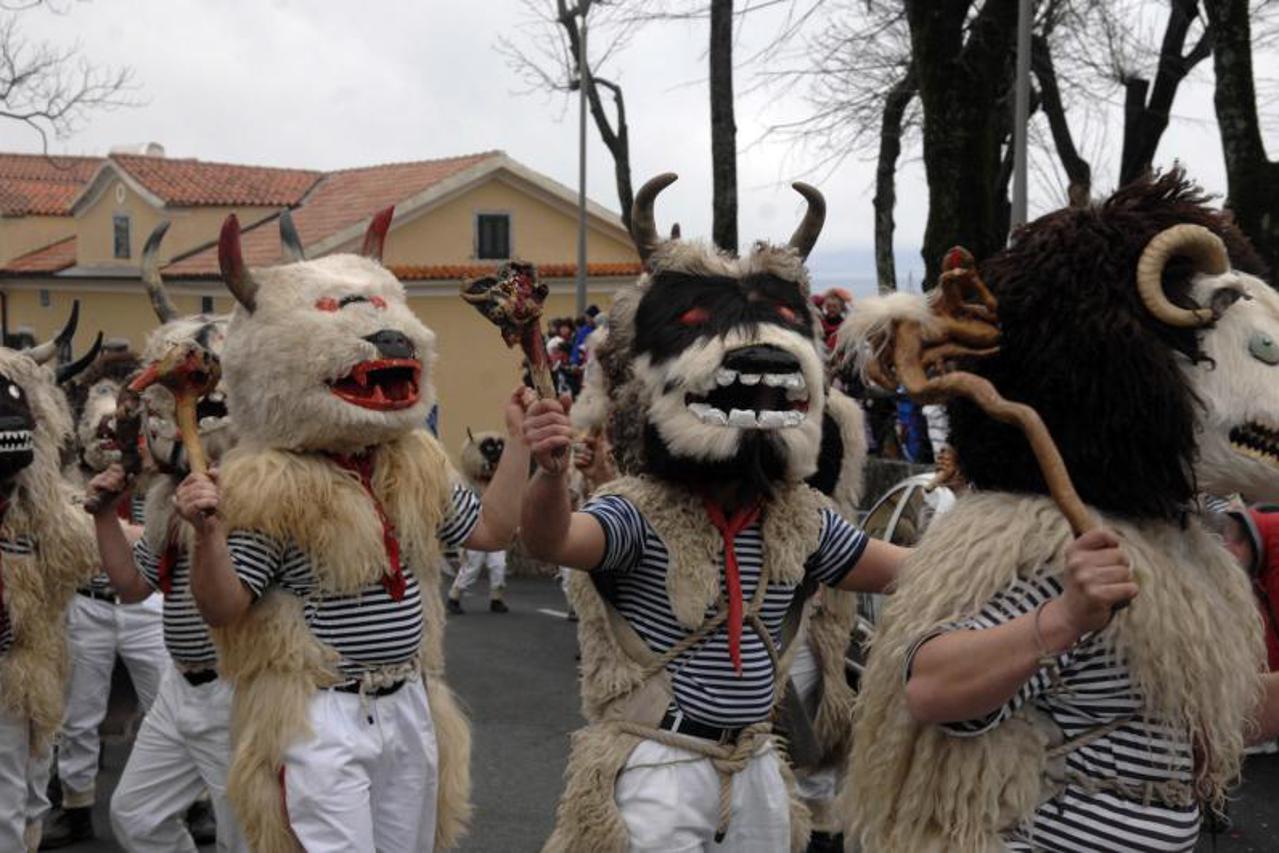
(67, 372)
(231, 261)
(45, 352)
(805, 236)
(375, 236)
(290, 241)
(1204, 249)
(643, 227)
(160, 302)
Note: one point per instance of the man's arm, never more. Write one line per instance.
(876, 568)
(113, 546)
(551, 530)
(219, 593)
(966, 675)
(500, 506)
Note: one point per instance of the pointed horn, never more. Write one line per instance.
(1204, 249)
(47, 351)
(675, 231)
(290, 240)
(67, 372)
(375, 237)
(805, 236)
(643, 227)
(231, 260)
(160, 302)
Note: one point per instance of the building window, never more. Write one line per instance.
(206, 304)
(120, 229)
(44, 298)
(493, 236)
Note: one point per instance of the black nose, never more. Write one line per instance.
(392, 344)
(764, 358)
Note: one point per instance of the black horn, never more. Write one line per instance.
(290, 240)
(67, 372)
(805, 236)
(46, 351)
(643, 227)
(160, 301)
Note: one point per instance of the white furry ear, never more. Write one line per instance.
(867, 328)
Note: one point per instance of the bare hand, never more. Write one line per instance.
(594, 458)
(521, 398)
(548, 432)
(197, 500)
(108, 487)
(1099, 578)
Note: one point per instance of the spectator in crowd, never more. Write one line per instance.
(1251, 534)
(834, 304)
(585, 325)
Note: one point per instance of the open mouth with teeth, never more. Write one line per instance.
(752, 400)
(210, 410)
(1257, 441)
(104, 436)
(15, 441)
(383, 385)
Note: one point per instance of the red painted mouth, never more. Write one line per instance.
(384, 385)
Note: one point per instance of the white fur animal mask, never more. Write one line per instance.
(714, 361)
(324, 354)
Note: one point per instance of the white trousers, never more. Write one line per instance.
(97, 631)
(815, 787)
(669, 799)
(183, 747)
(472, 563)
(23, 779)
(367, 779)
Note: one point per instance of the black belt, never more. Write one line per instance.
(200, 676)
(376, 692)
(99, 595)
(675, 721)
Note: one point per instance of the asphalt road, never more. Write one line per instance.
(515, 672)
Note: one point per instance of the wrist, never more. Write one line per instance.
(1057, 630)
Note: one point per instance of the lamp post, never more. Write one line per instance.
(583, 80)
(1021, 112)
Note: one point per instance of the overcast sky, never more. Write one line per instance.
(333, 83)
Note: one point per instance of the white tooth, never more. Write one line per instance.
(749, 378)
(769, 419)
(793, 418)
(776, 380)
(724, 376)
(714, 417)
(796, 380)
(699, 409)
(741, 418)
(797, 392)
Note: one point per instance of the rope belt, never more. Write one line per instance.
(728, 759)
(1169, 793)
(379, 681)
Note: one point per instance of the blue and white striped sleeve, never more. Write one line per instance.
(460, 520)
(624, 532)
(147, 562)
(258, 559)
(1023, 596)
(839, 548)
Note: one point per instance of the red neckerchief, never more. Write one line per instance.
(168, 562)
(4, 611)
(124, 509)
(729, 528)
(362, 466)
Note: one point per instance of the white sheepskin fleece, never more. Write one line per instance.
(280, 358)
(1238, 387)
(590, 409)
(868, 325)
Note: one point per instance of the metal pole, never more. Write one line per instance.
(583, 74)
(1021, 113)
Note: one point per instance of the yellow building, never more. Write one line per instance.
(455, 219)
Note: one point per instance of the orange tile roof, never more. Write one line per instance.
(49, 259)
(196, 183)
(341, 199)
(36, 184)
(461, 272)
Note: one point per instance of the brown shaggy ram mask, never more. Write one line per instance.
(324, 354)
(480, 454)
(93, 403)
(202, 332)
(713, 363)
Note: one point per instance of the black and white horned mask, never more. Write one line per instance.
(713, 362)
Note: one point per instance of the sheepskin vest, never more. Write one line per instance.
(272, 657)
(37, 591)
(1191, 640)
(616, 692)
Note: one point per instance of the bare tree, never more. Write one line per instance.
(545, 53)
(52, 89)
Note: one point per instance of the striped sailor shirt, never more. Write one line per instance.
(100, 583)
(368, 629)
(185, 634)
(706, 685)
(1095, 689)
(24, 547)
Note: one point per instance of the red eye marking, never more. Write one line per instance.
(787, 313)
(378, 302)
(327, 303)
(695, 317)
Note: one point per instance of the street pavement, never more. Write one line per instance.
(515, 673)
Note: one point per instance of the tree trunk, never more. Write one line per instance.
(617, 140)
(962, 88)
(1252, 180)
(1078, 171)
(890, 148)
(723, 127)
